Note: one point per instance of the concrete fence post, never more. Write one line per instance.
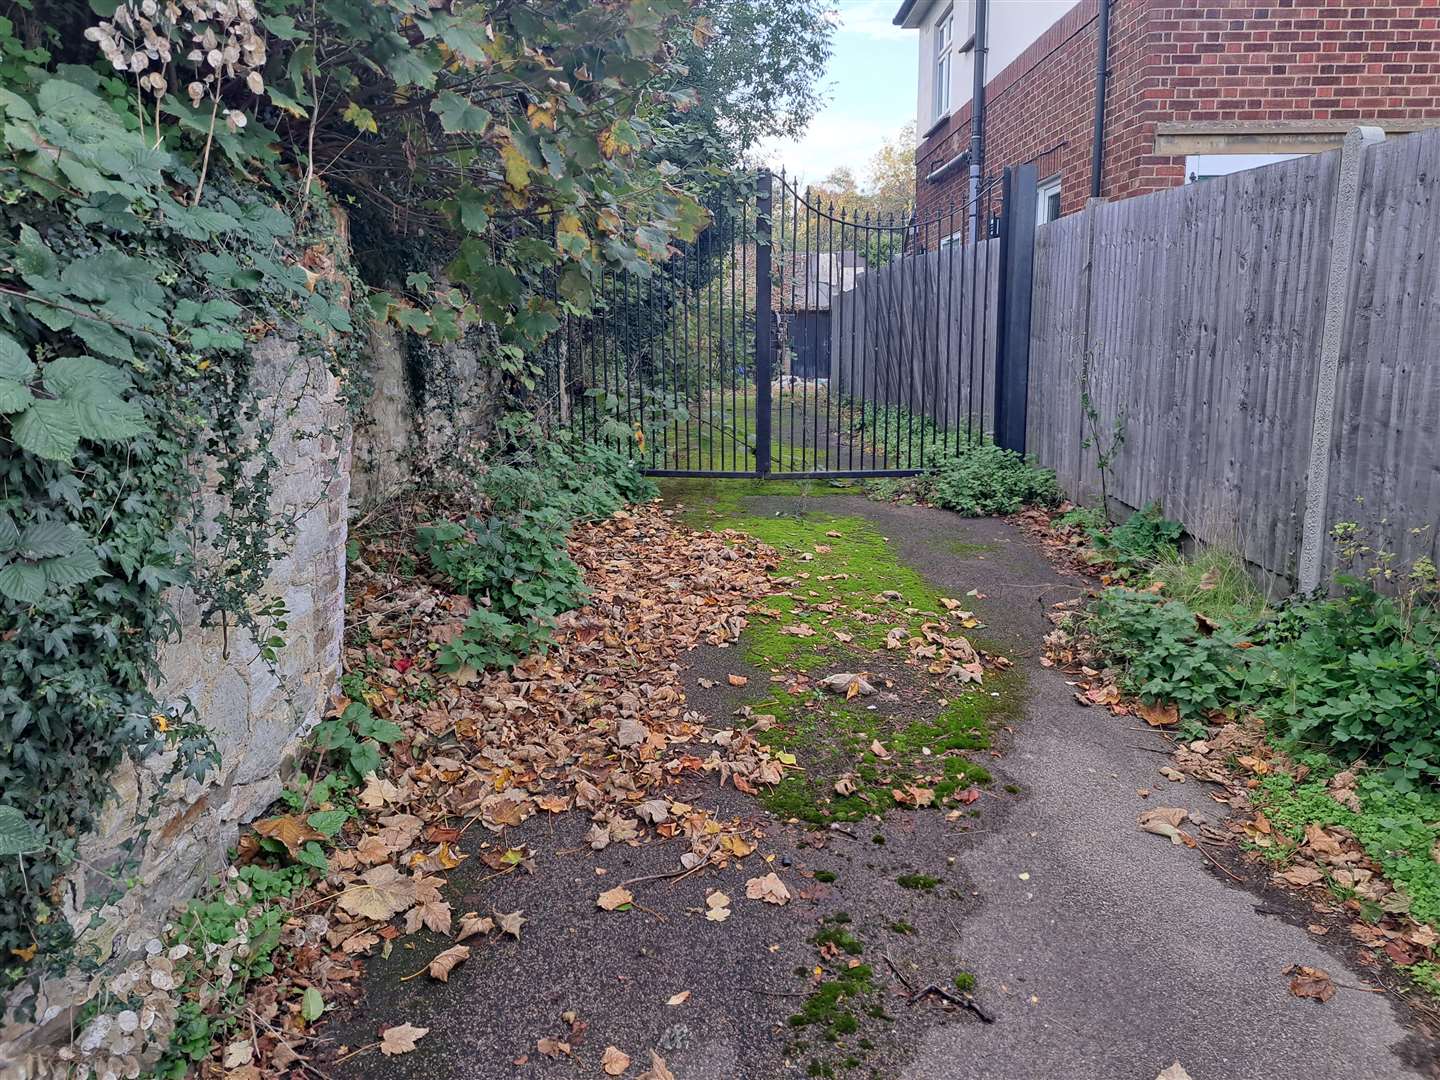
(1337, 294)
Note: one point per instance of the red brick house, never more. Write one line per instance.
(1194, 88)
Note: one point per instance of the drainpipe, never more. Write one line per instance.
(1102, 76)
(977, 114)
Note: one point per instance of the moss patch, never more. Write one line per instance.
(919, 882)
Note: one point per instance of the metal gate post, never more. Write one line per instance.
(764, 340)
(1012, 337)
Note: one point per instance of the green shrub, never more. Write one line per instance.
(985, 479)
(489, 640)
(1145, 537)
(1169, 656)
(1360, 674)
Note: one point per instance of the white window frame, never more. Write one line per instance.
(1043, 191)
(944, 63)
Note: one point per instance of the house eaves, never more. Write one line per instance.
(912, 13)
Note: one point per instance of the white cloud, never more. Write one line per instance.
(832, 140)
(870, 18)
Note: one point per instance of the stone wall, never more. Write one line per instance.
(165, 838)
(432, 408)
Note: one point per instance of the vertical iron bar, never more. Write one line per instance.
(791, 262)
(764, 345)
(745, 234)
(950, 312)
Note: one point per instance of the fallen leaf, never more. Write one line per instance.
(1175, 776)
(1174, 1072)
(552, 1048)
(1309, 982)
(443, 964)
(614, 1061)
(474, 925)
(401, 1039)
(613, 899)
(845, 786)
(1160, 714)
(291, 830)
(878, 749)
(738, 680)
(238, 1053)
(717, 907)
(768, 888)
(658, 1069)
(381, 893)
(1164, 821)
(679, 999)
(1301, 876)
(511, 923)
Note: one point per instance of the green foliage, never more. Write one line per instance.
(353, 739)
(983, 479)
(1169, 656)
(513, 560)
(125, 378)
(1143, 538)
(1361, 674)
(1214, 582)
(1397, 827)
(920, 882)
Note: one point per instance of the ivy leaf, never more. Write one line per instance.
(14, 397)
(14, 361)
(22, 582)
(17, 835)
(458, 116)
(48, 429)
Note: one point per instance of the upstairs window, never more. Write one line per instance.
(944, 62)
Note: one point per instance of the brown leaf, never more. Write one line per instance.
(443, 964)
(615, 898)
(552, 1048)
(511, 923)
(1309, 982)
(474, 925)
(679, 999)
(1160, 714)
(614, 1061)
(401, 1039)
(292, 830)
(1301, 876)
(1164, 821)
(381, 893)
(738, 680)
(658, 1069)
(768, 888)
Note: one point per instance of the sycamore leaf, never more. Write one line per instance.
(768, 888)
(458, 116)
(658, 1069)
(552, 1048)
(401, 1039)
(511, 923)
(380, 894)
(614, 899)
(291, 830)
(474, 925)
(445, 963)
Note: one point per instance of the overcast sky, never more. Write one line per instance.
(869, 88)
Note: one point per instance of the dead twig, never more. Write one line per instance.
(963, 1001)
(1216, 862)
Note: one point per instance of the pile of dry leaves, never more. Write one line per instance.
(597, 725)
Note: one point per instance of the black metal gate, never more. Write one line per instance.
(796, 338)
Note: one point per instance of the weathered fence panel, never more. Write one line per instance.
(1385, 461)
(1195, 317)
(909, 336)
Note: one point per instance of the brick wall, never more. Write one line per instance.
(1192, 60)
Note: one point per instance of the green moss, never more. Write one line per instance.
(920, 882)
(840, 938)
(967, 550)
(964, 982)
(825, 877)
(900, 926)
(827, 1006)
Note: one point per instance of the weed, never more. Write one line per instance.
(900, 926)
(825, 877)
(919, 882)
(1213, 582)
(964, 982)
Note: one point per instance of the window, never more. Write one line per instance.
(1048, 205)
(944, 60)
(1209, 166)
